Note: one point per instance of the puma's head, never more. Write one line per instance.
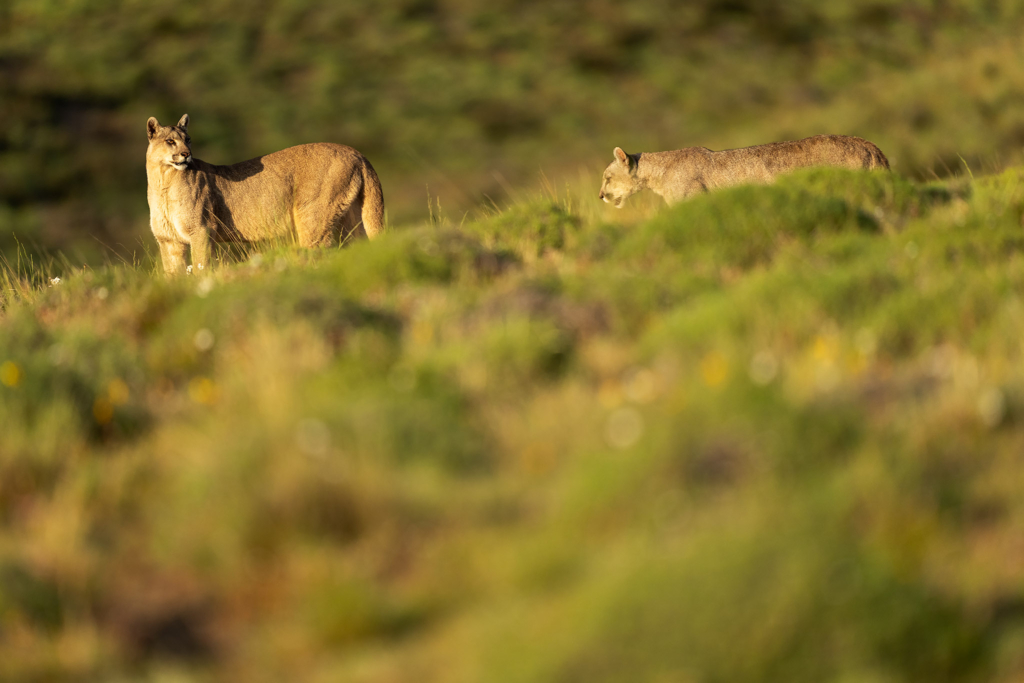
(169, 144)
(620, 180)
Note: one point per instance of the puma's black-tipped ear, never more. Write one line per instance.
(152, 126)
(183, 122)
(622, 157)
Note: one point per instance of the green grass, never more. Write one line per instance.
(463, 100)
(772, 433)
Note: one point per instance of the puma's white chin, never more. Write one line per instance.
(180, 165)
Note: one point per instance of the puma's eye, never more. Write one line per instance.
(170, 142)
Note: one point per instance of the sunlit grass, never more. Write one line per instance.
(542, 441)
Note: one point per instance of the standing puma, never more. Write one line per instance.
(320, 192)
(683, 173)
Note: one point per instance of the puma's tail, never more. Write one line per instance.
(877, 159)
(373, 202)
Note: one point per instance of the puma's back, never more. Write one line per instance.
(764, 162)
(254, 199)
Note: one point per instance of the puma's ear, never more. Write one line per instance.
(621, 156)
(152, 126)
(183, 122)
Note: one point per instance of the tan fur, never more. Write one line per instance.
(319, 192)
(683, 173)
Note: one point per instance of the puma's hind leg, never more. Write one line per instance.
(351, 223)
(332, 225)
(314, 227)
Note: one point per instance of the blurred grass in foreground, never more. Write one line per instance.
(773, 433)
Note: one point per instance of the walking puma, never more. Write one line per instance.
(320, 192)
(683, 173)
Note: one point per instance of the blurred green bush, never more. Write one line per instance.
(772, 433)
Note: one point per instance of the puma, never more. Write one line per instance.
(319, 193)
(683, 173)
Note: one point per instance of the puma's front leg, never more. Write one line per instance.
(172, 254)
(201, 249)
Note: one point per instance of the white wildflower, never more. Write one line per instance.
(205, 287)
(54, 281)
(313, 437)
(764, 367)
(624, 428)
(203, 339)
(188, 270)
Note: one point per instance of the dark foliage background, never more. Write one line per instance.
(461, 99)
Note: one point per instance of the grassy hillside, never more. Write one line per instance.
(463, 99)
(771, 434)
